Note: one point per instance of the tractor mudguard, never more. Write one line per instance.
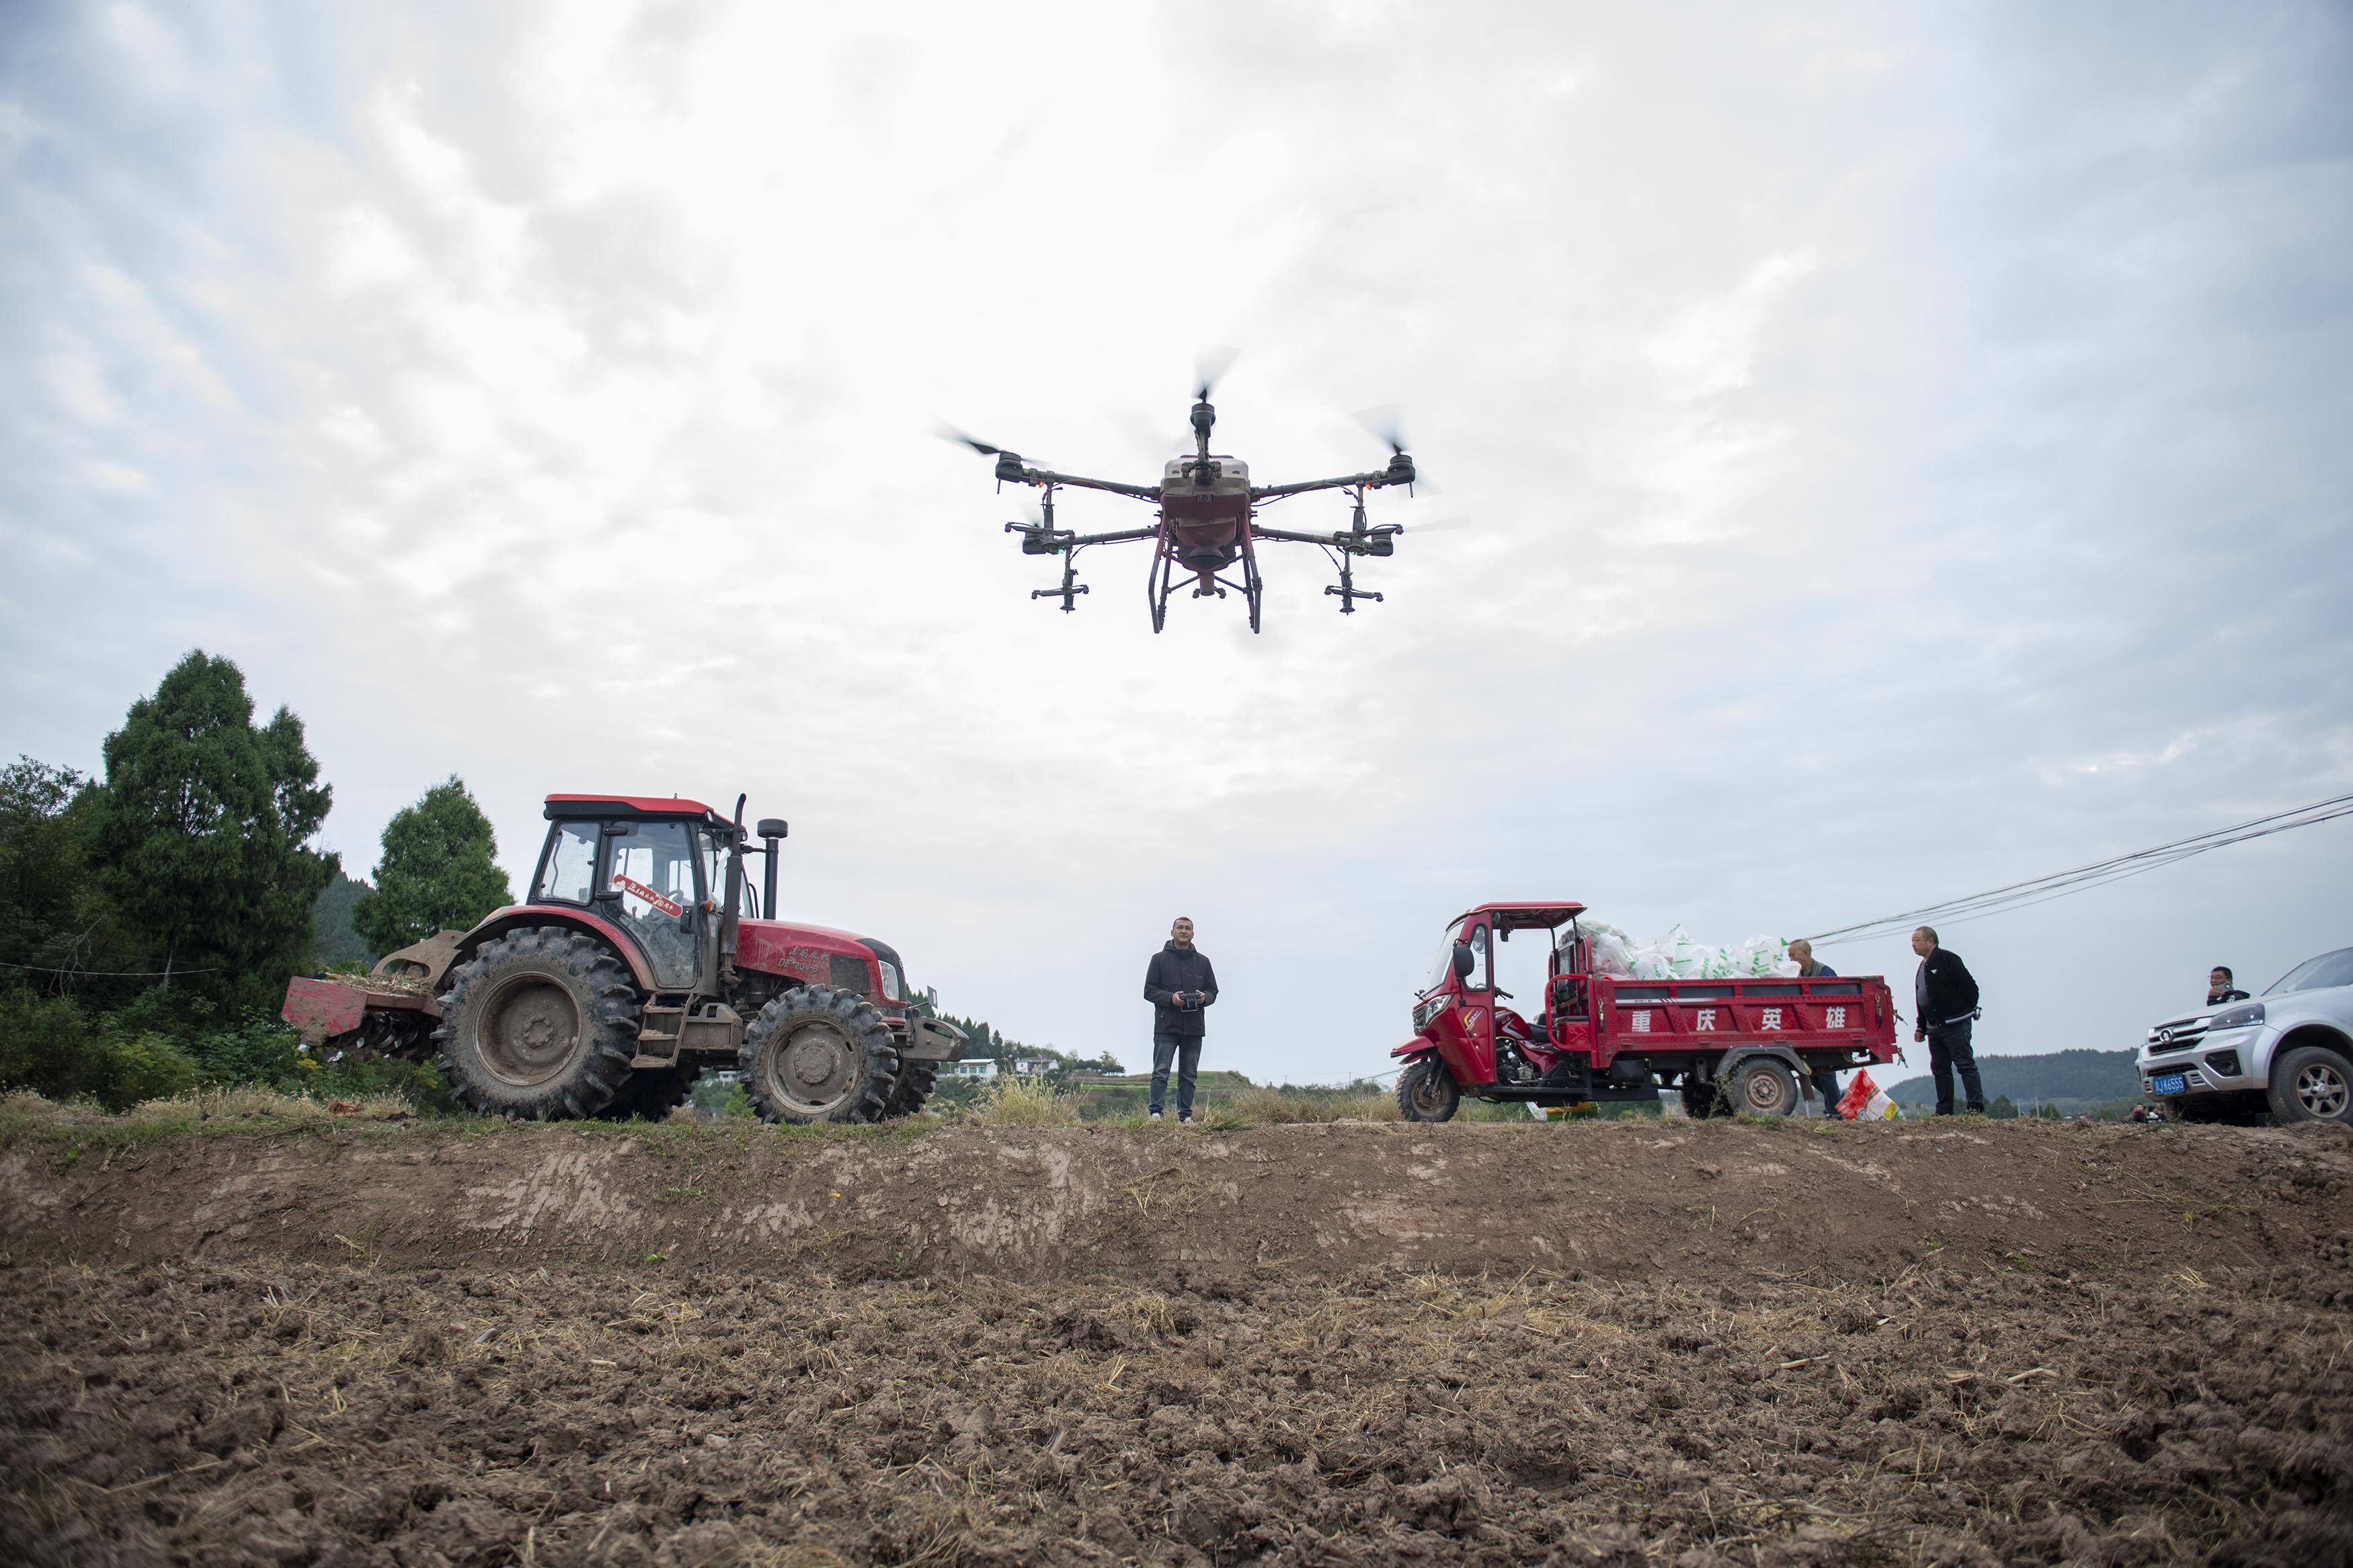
(499, 922)
(929, 1041)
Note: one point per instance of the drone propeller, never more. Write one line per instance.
(950, 433)
(1454, 523)
(1209, 367)
(1387, 426)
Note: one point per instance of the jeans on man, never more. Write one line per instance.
(1948, 1051)
(1826, 1085)
(1185, 1050)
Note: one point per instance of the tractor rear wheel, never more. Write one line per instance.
(1426, 1092)
(816, 1053)
(652, 1094)
(538, 1024)
(916, 1082)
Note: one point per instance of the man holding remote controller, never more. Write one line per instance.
(1179, 984)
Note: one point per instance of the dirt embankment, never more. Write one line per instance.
(1622, 1344)
(1701, 1202)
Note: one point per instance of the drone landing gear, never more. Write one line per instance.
(1157, 585)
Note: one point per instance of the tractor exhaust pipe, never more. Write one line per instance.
(772, 829)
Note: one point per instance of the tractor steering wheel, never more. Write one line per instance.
(1502, 994)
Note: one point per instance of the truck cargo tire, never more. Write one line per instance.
(1704, 1098)
(538, 1024)
(1426, 1092)
(1762, 1086)
(916, 1082)
(2311, 1083)
(816, 1053)
(652, 1094)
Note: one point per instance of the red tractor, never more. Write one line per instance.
(1732, 1045)
(642, 956)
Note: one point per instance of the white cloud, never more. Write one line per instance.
(1837, 415)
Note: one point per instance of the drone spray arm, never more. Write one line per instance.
(1399, 472)
(1046, 477)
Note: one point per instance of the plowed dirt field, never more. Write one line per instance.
(1620, 1344)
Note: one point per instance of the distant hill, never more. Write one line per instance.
(2084, 1077)
(333, 940)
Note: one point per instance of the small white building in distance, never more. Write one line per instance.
(1031, 1067)
(978, 1067)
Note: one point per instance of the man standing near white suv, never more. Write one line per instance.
(2288, 1052)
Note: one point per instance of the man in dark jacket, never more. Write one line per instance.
(1945, 1004)
(2221, 987)
(1179, 983)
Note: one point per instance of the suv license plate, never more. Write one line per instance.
(2171, 1083)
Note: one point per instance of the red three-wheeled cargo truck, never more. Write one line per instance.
(1730, 1044)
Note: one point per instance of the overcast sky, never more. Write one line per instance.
(1885, 452)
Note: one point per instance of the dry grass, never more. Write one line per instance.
(205, 1111)
(1273, 1106)
(1024, 1103)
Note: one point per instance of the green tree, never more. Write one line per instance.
(333, 939)
(201, 833)
(2003, 1108)
(440, 870)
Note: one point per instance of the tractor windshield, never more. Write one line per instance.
(571, 864)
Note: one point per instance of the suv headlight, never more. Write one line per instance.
(2237, 1017)
(892, 990)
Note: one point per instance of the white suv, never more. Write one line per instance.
(2288, 1052)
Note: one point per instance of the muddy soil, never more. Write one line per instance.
(1577, 1345)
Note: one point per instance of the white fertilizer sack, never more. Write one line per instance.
(1676, 957)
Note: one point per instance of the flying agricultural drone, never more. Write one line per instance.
(1209, 520)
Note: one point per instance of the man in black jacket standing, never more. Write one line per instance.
(1945, 1004)
(1179, 983)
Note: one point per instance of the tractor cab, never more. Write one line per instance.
(660, 871)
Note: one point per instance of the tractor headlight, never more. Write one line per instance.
(892, 989)
(2237, 1017)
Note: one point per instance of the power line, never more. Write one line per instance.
(2083, 878)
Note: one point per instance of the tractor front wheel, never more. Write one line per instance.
(816, 1053)
(916, 1082)
(538, 1024)
(1426, 1092)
